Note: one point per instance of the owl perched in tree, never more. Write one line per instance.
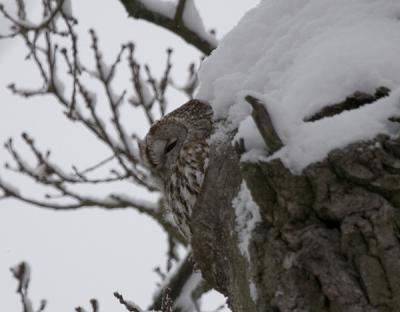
(176, 151)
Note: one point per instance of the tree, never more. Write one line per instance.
(268, 238)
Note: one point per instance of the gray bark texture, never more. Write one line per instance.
(328, 239)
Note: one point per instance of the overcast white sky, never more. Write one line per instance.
(76, 256)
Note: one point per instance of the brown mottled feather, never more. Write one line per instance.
(180, 171)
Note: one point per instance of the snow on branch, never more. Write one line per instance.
(94, 304)
(166, 304)
(181, 18)
(264, 124)
(50, 175)
(21, 23)
(22, 273)
(185, 286)
(191, 83)
(62, 197)
(52, 46)
(355, 101)
(149, 91)
(321, 60)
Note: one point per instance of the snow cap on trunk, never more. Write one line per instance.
(301, 56)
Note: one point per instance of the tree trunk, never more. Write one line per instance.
(328, 239)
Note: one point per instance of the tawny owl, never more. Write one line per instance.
(176, 151)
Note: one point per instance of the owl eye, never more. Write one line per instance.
(170, 146)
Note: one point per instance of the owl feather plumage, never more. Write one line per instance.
(176, 151)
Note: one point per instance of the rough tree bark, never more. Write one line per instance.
(328, 239)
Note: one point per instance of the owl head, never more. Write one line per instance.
(161, 148)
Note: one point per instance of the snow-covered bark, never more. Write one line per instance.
(326, 239)
(299, 57)
(323, 80)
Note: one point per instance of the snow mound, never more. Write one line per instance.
(300, 56)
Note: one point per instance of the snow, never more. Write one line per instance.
(171, 273)
(247, 216)
(251, 136)
(192, 20)
(298, 57)
(146, 204)
(105, 68)
(27, 303)
(185, 302)
(253, 292)
(22, 272)
(67, 7)
(41, 171)
(133, 306)
(191, 17)
(166, 8)
(9, 187)
(146, 93)
(330, 133)
(289, 260)
(24, 269)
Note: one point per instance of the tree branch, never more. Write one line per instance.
(22, 273)
(180, 9)
(20, 24)
(176, 282)
(264, 124)
(137, 9)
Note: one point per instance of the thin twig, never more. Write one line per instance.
(98, 165)
(130, 306)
